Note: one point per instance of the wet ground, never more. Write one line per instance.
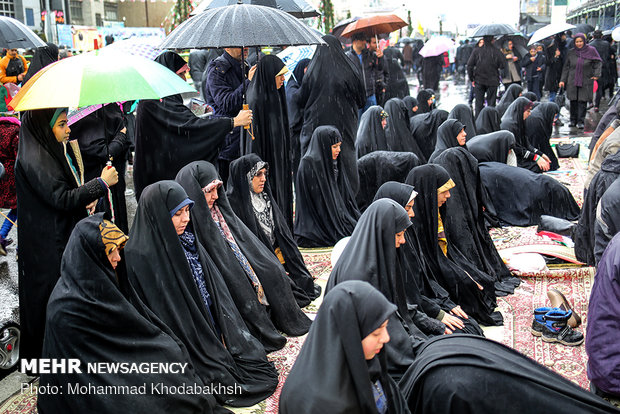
(452, 92)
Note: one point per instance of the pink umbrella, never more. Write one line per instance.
(436, 46)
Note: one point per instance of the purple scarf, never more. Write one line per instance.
(586, 52)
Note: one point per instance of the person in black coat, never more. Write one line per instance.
(53, 197)
(369, 65)
(483, 69)
(295, 112)
(431, 72)
(250, 195)
(169, 135)
(371, 134)
(197, 62)
(555, 54)
(607, 222)
(102, 136)
(223, 89)
(270, 125)
(94, 315)
(534, 64)
(488, 120)
(539, 127)
(396, 86)
(331, 94)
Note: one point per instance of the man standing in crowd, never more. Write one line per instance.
(223, 89)
(382, 76)
(13, 67)
(483, 69)
(369, 64)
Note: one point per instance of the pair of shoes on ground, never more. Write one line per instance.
(551, 324)
(563, 319)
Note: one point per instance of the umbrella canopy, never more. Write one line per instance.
(519, 43)
(342, 24)
(583, 28)
(494, 29)
(94, 78)
(406, 40)
(145, 47)
(374, 25)
(240, 25)
(14, 34)
(549, 30)
(436, 46)
(296, 8)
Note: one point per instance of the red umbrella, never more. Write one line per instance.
(375, 25)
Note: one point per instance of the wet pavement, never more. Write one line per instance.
(451, 93)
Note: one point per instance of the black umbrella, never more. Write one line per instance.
(240, 25)
(342, 24)
(494, 29)
(404, 40)
(296, 8)
(519, 43)
(14, 34)
(582, 28)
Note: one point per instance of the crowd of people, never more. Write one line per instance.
(210, 274)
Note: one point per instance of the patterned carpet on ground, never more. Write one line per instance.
(571, 279)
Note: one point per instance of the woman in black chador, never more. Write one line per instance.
(94, 315)
(250, 196)
(169, 136)
(464, 222)
(463, 113)
(412, 105)
(433, 311)
(372, 255)
(452, 133)
(456, 374)
(468, 286)
(177, 280)
(494, 146)
(102, 138)
(331, 94)
(53, 197)
(352, 377)
(488, 120)
(424, 130)
(426, 101)
(380, 167)
(255, 277)
(295, 112)
(397, 131)
(511, 94)
(371, 132)
(326, 208)
(272, 138)
(539, 127)
(514, 121)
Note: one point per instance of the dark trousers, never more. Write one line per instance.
(533, 85)
(480, 91)
(577, 111)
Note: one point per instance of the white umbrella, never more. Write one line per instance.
(436, 46)
(293, 54)
(548, 31)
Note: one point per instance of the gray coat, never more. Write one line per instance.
(591, 68)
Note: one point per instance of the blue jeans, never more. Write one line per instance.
(7, 225)
(370, 101)
(552, 96)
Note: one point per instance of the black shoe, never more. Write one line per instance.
(580, 125)
(558, 123)
(556, 329)
(571, 125)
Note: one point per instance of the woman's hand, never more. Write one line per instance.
(452, 323)
(459, 312)
(251, 73)
(109, 175)
(91, 207)
(546, 158)
(594, 78)
(561, 84)
(243, 118)
(543, 164)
